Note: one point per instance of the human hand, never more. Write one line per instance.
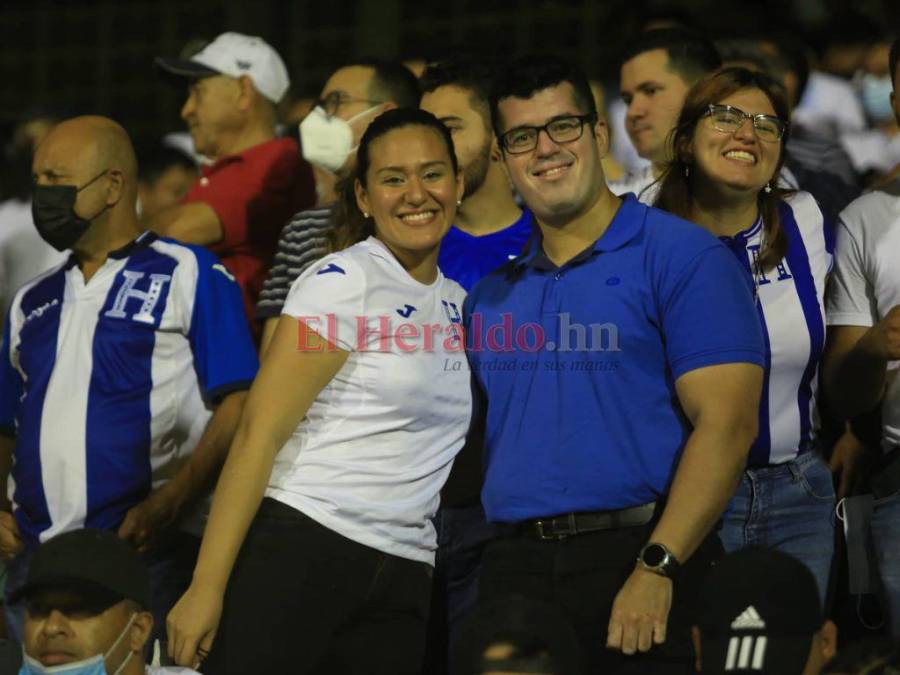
(10, 539)
(144, 522)
(639, 613)
(848, 459)
(192, 625)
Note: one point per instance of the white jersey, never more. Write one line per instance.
(790, 302)
(376, 446)
(641, 182)
(866, 283)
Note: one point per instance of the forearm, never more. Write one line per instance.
(199, 473)
(704, 482)
(857, 380)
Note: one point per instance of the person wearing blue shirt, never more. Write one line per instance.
(122, 372)
(620, 361)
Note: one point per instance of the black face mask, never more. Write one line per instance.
(53, 210)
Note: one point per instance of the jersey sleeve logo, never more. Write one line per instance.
(407, 311)
(332, 267)
(219, 267)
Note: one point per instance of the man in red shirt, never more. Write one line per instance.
(256, 181)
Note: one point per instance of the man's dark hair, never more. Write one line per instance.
(155, 159)
(894, 59)
(392, 82)
(528, 75)
(691, 56)
(473, 76)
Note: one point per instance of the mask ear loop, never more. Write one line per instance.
(116, 644)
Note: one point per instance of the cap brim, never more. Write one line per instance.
(779, 655)
(184, 67)
(95, 595)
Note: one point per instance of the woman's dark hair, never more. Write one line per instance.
(676, 191)
(350, 224)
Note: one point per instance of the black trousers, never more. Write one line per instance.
(304, 599)
(581, 576)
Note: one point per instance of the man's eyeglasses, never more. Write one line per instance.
(728, 119)
(560, 130)
(332, 102)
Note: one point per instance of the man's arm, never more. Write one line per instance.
(163, 507)
(855, 363)
(10, 539)
(268, 333)
(194, 223)
(722, 403)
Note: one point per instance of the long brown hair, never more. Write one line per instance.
(676, 192)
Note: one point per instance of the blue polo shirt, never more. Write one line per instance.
(578, 363)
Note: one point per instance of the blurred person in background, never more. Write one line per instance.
(875, 151)
(23, 253)
(868, 656)
(319, 552)
(352, 97)
(658, 68)
(122, 371)
(862, 357)
(165, 174)
(728, 153)
(256, 181)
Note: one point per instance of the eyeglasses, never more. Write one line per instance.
(728, 119)
(332, 102)
(560, 130)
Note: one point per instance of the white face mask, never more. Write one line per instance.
(328, 141)
(96, 665)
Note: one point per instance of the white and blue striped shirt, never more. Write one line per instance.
(107, 385)
(790, 302)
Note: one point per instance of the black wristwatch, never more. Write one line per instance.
(658, 559)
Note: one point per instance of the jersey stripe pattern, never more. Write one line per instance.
(790, 302)
(108, 385)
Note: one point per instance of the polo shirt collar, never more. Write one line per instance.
(625, 226)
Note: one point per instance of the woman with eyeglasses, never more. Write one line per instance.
(728, 150)
(319, 550)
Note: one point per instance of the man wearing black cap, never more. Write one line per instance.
(86, 600)
(760, 613)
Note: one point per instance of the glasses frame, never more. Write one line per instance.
(333, 102)
(714, 108)
(589, 117)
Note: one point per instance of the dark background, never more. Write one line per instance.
(96, 56)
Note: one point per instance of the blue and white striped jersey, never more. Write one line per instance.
(108, 385)
(791, 306)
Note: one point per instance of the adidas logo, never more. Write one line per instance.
(748, 619)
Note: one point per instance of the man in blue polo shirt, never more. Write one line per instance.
(621, 360)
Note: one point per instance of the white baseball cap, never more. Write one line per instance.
(235, 54)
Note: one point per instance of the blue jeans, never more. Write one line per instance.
(886, 542)
(171, 566)
(788, 507)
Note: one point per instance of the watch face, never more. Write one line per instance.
(653, 555)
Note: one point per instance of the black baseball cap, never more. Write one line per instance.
(758, 612)
(98, 565)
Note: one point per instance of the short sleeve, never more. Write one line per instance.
(10, 385)
(224, 356)
(329, 298)
(708, 314)
(851, 298)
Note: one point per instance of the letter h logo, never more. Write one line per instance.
(148, 298)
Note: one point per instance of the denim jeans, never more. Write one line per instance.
(886, 542)
(303, 599)
(788, 507)
(171, 566)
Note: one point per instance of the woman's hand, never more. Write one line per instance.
(192, 625)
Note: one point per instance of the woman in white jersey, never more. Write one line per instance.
(729, 148)
(319, 549)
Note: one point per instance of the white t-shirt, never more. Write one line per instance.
(376, 446)
(641, 182)
(829, 106)
(866, 283)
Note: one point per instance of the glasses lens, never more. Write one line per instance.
(520, 140)
(725, 119)
(565, 129)
(768, 128)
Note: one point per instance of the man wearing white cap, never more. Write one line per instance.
(256, 181)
